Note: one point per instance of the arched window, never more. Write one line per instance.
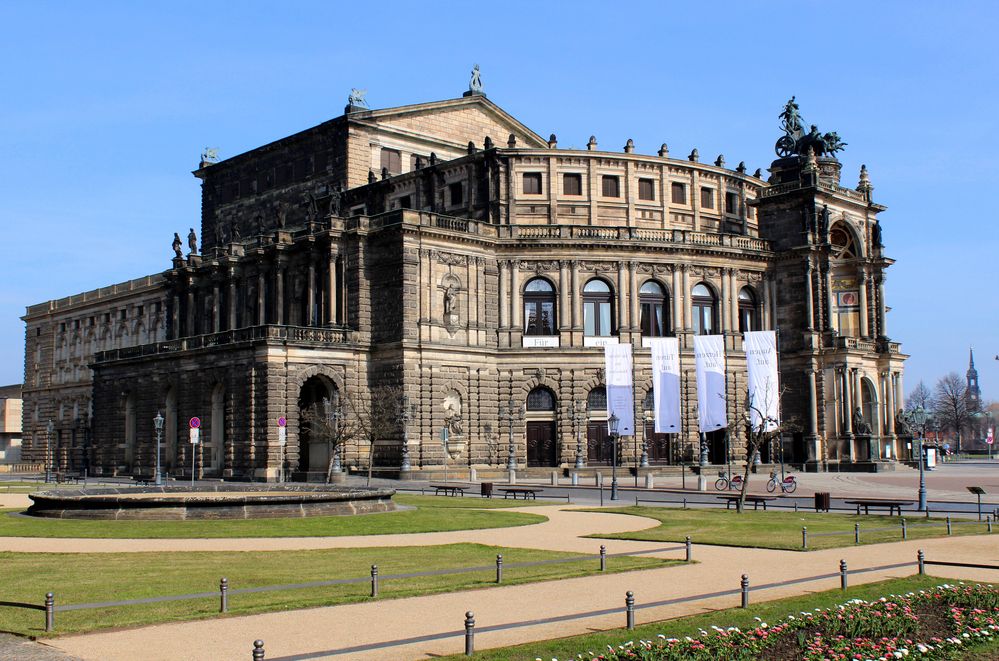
(539, 308)
(540, 399)
(596, 401)
(843, 245)
(703, 309)
(597, 313)
(655, 311)
(749, 311)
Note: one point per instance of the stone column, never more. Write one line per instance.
(889, 399)
(882, 327)
(686, 298)
(232, 299)
(724, 305)
(279, 285)
(216, 309)
(899, 390)
(827, 283)
(310, 315)
(847, 402)
(515, 304)
(765, 303)
(504, 303)
(563, 296)
(809, 303)
(175, 317)
(261, 297)
(622, 302)
(576, 299)
(677, 301)
(734, 302)
(635, 319)
(864, 323)
(331, 296)
(813, 413)
(191, 307)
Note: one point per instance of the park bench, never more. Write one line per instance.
(526, 492)
(69, 476)
(891, 505)
(449, 489)
(144, 478)
(755, 500)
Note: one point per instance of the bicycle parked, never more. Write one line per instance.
(787, 485)
(725, 482)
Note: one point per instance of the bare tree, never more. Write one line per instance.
(761, 428)
(952, 405)
(920, 397)
(377, 418)
(328, 423)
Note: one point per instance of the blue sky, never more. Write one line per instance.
(106, 107)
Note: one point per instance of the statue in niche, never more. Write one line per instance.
(336, 199)
(192, 241)
(450, 300)
(219, 232)
(452, 415)
(177, 245)
(876, 234)
(312, 209)
(860, 426)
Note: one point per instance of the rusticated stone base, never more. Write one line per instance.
(211, 502)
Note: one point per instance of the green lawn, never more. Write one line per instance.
(100, 577)
(431, 514)
(566, 649)
(778, 530)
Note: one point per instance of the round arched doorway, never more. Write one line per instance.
(319, 418)
(542, 450)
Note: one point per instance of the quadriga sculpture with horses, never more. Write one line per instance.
(796, 141)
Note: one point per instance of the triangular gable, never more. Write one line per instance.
(459, 120)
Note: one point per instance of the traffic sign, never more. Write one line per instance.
(283, 435)
(990, 439)
(282, 422)
(195, 434)
(195, 422)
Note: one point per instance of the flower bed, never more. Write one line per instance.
(929, 624)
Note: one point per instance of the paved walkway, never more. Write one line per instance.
(360, 631)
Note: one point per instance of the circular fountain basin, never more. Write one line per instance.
(223, 501)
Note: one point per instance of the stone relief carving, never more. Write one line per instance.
(448, 258)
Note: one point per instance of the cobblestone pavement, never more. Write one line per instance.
(16, 648)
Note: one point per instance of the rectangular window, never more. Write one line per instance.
(707, 198)
(406, 202)
(646, 189)
(731, 203)
(654, 319)
(392, 160)
(611, 186)
(457, 193)
(679, 193)
(572, 184)
(596, 318)
(532, 183)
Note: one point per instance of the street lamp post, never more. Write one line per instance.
(512, 413)
(408, 413)
(919, 417)
(613, 422)
(49, 430)
(333, 419)
(577, 412)
(158, 424)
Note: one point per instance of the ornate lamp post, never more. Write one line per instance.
(333, 415)
(49, 460)
(919, 418)
(407, 413)
(577, 413)
(512, 413)
(650, 419)
(158, 424)
(612, 423)
(985, 416)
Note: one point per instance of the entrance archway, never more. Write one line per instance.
(542, 450)
(599, 445)
(314, 446)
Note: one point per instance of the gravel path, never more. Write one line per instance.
(360, 631)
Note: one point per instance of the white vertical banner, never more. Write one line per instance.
(620, 389)
(666, 383)
(764, 382)
(709, 359)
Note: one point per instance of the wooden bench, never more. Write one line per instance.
(526, 492)
(891, 505)
(449, 489)
(755, 500)
(144, 478)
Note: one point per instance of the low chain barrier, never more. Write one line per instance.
(224, 592)
(743, 591)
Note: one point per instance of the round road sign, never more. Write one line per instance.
(195, 422)
(282, 422)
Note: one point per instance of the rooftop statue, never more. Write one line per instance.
(356, 98)
(796, 142)
(475, 84)
(210, 155)
(176, 245)
(192, 241)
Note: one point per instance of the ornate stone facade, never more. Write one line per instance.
(406, 248)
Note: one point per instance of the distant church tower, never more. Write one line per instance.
(974, 393)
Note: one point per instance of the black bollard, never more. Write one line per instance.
(603, 558)
(374, 580)
(689, 553)
(469, 633)
(842, 574)
(49, 612)
(804, 537)
(744, 584)
(905, 531)
(949, 531)
(499, 568)
(258, 650)
(629, 609)
(224, 595)
(856, 533)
